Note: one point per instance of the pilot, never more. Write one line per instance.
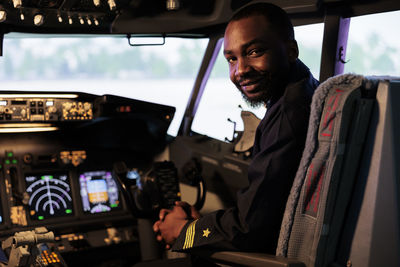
(262, 54)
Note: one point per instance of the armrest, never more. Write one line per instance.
(250, 259)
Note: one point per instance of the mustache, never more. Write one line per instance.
(252, 76)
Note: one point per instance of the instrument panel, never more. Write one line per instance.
(57, 152)
(22, 108)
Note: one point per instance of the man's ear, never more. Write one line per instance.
(292, 50)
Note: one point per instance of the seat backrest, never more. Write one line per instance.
(371, 234)
(323, 186)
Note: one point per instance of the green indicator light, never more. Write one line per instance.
(46, 177)
(40, 217)
(1, 166)
(14, 161)
(68, 211)
(10, 154)
(7, 161)
(114, 205)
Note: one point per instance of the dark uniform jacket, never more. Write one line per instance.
(254, 223)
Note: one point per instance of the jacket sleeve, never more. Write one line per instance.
(254, 223)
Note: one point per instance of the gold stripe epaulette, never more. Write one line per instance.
(190, 232)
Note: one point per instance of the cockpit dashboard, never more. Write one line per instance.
(56, 164)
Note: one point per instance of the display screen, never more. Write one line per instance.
(49, 195)
(99, 192)
(134, 175)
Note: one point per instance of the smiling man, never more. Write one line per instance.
(262, 54)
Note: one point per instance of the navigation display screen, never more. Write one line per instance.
(99, 192)
(49, 195)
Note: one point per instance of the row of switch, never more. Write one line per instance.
(5, 117)
(39, 111)
(39, 103)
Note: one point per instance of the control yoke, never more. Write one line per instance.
(156, 190)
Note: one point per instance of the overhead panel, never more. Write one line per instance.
(192, 15)
(58, 16)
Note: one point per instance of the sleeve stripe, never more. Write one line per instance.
(190, 232)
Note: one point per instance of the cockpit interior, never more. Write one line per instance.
(111, 110)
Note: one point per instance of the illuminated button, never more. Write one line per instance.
(112, 5)
(40, 111)
(33, 103)
(33, 111)
(3, 15)
(38, 19)
(17, 3)
(10, 154)
(40, 103)
(67, 106)
(86, 106)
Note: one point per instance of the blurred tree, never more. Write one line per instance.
(373, 57)
(188, 58)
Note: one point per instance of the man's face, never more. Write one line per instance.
(257, 57)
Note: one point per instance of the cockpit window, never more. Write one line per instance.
(221, 100)
(104, 65)
(373, 46)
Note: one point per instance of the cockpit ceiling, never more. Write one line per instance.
(167, 17)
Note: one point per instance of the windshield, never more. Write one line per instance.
(104, 65)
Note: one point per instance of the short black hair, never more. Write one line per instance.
(275, 15)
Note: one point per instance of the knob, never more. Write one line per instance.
(52, 109)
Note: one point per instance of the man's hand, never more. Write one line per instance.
(171, 222)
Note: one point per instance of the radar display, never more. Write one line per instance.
(49, 196)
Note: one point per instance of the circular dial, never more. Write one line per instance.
(49, 196)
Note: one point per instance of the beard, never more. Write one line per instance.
(256, 102)
(271, 85)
